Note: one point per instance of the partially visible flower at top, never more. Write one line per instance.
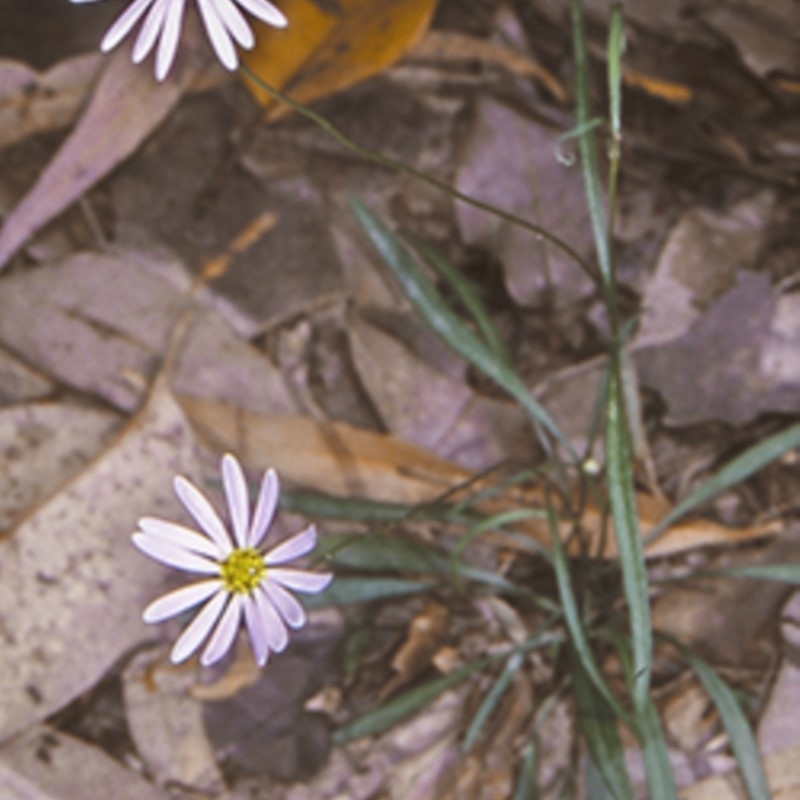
(223, 21)
(245, 582)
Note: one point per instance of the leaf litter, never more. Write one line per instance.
(707, 230)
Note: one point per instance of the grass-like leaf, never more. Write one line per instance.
(344, 591)
(491, 700)
(467, 294)
(450, 328)
(626, 529)
(525, 787)
(572, 617)
(598, 724)
(740, 733)
(735, 471)
(404, 705)
(660, 780)
(782, 573)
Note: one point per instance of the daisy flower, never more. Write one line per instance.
(242, 582)
(223, 21)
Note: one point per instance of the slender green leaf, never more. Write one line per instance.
(598, 724)
(783, 573)
(658, 769)
(573, 618)
(743, 742)
(735, 471)
(626, 530)
(452, 330)
(616, 46)
(491, 700)
(586, 143)
(526, 787)
(404, 705)
(383, 553)
(467, 294)
(344, 591)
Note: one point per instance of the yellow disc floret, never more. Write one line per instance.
(243, 570)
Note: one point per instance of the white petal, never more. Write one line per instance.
(235, 23)
(300, 580)
(224, 633)
(124, 24)
(178, 601)
(235, 486)
(173, 555)
(292, 612)
(168, 45)
(265, 507)
(150, 31)
(198, 628)
(181, 536)
(256, 630)
(264, 11)
(270, 621)
(293, 547)
(218, 34)
(203, 512)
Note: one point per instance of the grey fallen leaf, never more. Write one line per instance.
(737, 361)
(166, 723)
(19, 383)
(101, 323)
(32, 102)
(512, 163)
(699, 262)
(45, 764)
(72, 588)
(126, 106)
(45, 444)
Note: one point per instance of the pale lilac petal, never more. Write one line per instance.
(218, 34)
(300, 580)
(178, 601)
(124, 24)
(203, 512)
(235, 485)
(265, 507)
(197, 630)
(287, 605)
(294, 547)
(235, 23)
(173, 555)
(264, 11)
(270, 621)
(168, 45)
(151, 28)
(257, 630)
(225, 632)
(180, 535)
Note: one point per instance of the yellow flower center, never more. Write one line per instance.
(243, 570)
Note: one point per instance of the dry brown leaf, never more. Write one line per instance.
(425, 636)
(329, 47)
(72, 587)
(126, 106)
(330, 457)
(341, 459)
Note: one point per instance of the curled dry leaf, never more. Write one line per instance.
(331, 46)
(425, 636)
(71, 588)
